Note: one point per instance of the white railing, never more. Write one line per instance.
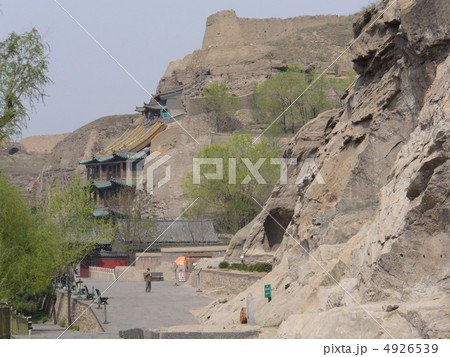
(101, 269)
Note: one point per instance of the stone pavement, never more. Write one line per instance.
(129, 306)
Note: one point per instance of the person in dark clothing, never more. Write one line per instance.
(148, 281)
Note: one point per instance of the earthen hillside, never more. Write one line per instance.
(62, 161)
(244, 52)
(308, 41)
(41, 144)
(22, 162)
(365, 255)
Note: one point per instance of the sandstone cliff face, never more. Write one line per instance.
(24, 166)
(62, 161)
(377, 233)
(244, 52)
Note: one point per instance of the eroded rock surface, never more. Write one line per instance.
(377, 233)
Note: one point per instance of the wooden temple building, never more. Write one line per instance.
(110, 176)
(164, 105)
(107, 170)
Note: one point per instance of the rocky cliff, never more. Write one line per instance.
(366, 254)
(22, 162)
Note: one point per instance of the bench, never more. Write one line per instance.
(157, 276)
(101, 300)
(89, 296)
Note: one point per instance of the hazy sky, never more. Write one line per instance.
(143, 35)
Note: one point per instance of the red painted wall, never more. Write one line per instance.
(111, 263)
(84, 267)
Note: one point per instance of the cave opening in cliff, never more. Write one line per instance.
(274, 228)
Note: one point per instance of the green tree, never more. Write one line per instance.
(28, 247)
(23, 77)
(28, 244)
(274, 96)
(277, 97)
(229, 201)
(220, 106)
(137, 228)
(79, 233)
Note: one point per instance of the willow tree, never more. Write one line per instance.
(79, 233)
(28, 247)
(23, 78)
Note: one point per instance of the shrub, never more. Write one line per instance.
(62, 323)
(236, 266)
(224, 265)
(261, 267)
(25, 307)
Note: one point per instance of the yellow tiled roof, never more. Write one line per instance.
(134, 139)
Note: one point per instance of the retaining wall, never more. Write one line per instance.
(148, 260)
(232, 282)
(87, 322)
(5, 321)
(129, 273)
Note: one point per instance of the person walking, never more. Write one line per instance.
(148, 281)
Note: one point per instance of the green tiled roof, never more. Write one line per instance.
(102, 184)
(114, 156)
(124, 182)
(100, 212)
(104, 158)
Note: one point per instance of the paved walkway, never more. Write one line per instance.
(129, 306)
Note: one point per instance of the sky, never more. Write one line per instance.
(142, 36)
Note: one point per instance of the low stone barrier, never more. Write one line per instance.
(232, 282)
(138, 333)
(20, 325)
(101, 273)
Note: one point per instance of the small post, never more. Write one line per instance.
(198, 281)
(93, 293)
(106, 320)
(176, 268)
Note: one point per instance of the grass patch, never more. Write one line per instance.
(258, 267)
(74, 328)
(62, 323)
